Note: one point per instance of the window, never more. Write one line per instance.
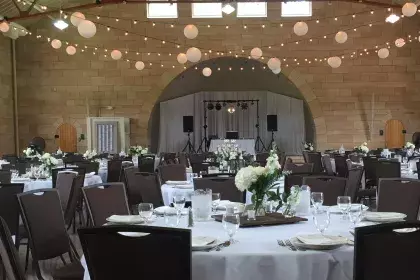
(164, 10)
(207, 10)
(252, 9)
(296, 9)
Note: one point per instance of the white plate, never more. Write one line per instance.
(183, 186)
(314, 241)
(18, 180)
(125, 219)
(161, 210)
(384, 217)
(335, 210)
(178, 182)
(200, 243)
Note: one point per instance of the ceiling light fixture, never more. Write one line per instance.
(231, 110)
(228, 8)
(61, 24)
(392, 18)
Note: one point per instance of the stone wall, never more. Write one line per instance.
(55, 87)
(6, 98)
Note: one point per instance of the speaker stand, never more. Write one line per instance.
(189, 146)
(270, 147)
(259, 141)
(203, 143)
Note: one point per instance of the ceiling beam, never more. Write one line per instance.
(32, 6)
(109, 2)
(17, 6)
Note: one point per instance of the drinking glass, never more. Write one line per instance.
(344, 204)
(146, 211)
(317, 199)
(15, 173)
(179, 202)
(230, 223)
(215, 197)
(321, 219)
(356, 215)
(201, 202)
(171, 217)
(37, 172)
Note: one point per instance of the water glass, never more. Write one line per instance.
(201, 202)
(15, 173)
(231, 223)
(215, 197)
(356, 215)
(321, 219)
(146, 211)
(171, 217)
(179, 202)
(344, 204)
(317, 199)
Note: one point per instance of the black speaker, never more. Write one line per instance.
(271, 122)
(188, 123)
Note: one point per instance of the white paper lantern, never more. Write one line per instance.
(256, 53)
(207, 72)
(4, 27)
(139, 65)
(56, 44)
(276, 71)
(116, 54)
(274, 63)
(87, 29)
(341, 37)
(400, 42)
(334, 61)
(71, 50)
(182, 58)
(300, 28)
(409, 9)
(193, 54)
(383, 53)
(76, 18)
(190, 31)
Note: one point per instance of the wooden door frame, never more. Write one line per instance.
(403, 128)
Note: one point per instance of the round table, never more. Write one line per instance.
(258, 256)
(47, 184)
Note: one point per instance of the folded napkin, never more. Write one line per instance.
(178, 182)
(91, 174)
(161, 210)
(318, 239)
(21, 179)
(199, 241)
(384, 216)
(125, 219)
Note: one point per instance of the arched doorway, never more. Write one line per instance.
(67, 138)
(394, 136)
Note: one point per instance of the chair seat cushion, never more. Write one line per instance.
(72, 271)
(367, 192)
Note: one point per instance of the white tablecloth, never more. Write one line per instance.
(246, 145)
(258, 256)
(47, 184)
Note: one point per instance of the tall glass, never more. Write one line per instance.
(317, 199)
(201, 202)
(344, 204)
(321, 219)
(215, 197)
(179, 202)
(356, 215)
(231, 223)
(146, 211)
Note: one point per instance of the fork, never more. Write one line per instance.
(284, 244)
(290, 244)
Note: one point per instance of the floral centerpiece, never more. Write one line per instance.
(30, 152)
(308, 146)
(137, 150)
(90, 155)
(409, 146)
(362, 149)
(228, 152)
(47, 162)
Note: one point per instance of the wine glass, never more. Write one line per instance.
(179, 202)
(317, 199)
(215, 197)
(171, 217)
(15, 173)
(344, 204)
(146, 211)
(321, 219)
(231, 223)
(37, 173)
(356, 215)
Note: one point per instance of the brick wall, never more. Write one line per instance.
(6, 98)
(55, 87)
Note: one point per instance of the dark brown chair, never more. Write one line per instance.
(48, 238)
(182, 158)
(294, 179)
(387, 169)
(132, 186)
(341, 168)
(357, 158)
(64, 186)
(299, 167)
(111, 255)
(399, 195)
(5, 177)
(55, 171)
(70, 159)
(148, 186)
(21, 167)
(315, 159)
(88, 166)
(74, 198)
(418, 169)
(197, 167)
(146, 163)
(168, 158)
(105, 200)
(172, 172)
(124, 165)
(114, 170)
(383, 252)
(332, 187)
(354, 182)
(326, 162)
(225, 186)
(196, 158)
(6, 167)
(10, 158)
(262, 158)
(8, 254)
(369, 163)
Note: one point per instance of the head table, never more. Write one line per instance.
(257, 255)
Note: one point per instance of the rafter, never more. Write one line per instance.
(32, 6)
(17, 6)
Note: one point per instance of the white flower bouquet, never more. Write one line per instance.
(362, 149)
(308, 146)
(409, 146)
(137, 150)
(30, 152)
(90, 155)
(47, 162)
(228, 151)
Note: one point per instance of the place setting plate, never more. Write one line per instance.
(203, 243)
(127, 219)
(384, 217)
(161, 210)
(354, 207)
(319, 242)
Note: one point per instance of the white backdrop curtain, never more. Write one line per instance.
(289, 111)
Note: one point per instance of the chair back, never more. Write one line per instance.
(64, 186)
(10, 158)
(262, 158)
(132, 252)
(8, 254)
(132, 186)
(9, 206)
(387, 169)
(225, 186)
(88, 166)
(197, 158)
(294, 179)
(354, 182)
(114, 170)
(148, 185)
(369, 163)
(168, 158)
(124, 165)
(43, 219)
(399, 195)
(55, 172)
(146, 163)
(173, 172)
(326, 162)
(418, 169)
(6, 167)
(71, 158)
(21, 167)
(315, 158)
(74, 198)
(197, 167)
(355, 157)
(341, 168)
(299, 167)
(387, 251)
(332, 187)
(105, 200)
(5, 176)
(182, 158)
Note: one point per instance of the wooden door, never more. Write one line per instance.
(68, 138)
(394, 137)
